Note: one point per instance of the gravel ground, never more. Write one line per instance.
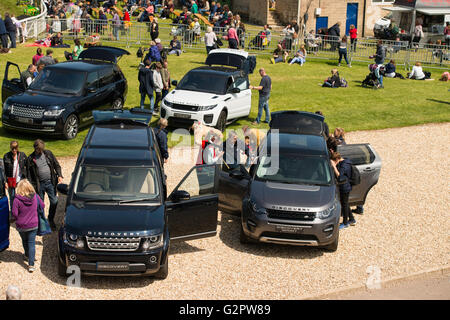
(404, 230)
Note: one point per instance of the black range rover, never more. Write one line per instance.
(61, 98)
(118, 217)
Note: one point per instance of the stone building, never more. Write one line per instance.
(321, 13)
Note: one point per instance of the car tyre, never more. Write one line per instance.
(332, 247)
(117, 104)
(222, 121)
(164, 271)
(71, 126)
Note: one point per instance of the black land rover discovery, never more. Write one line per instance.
(118, 219)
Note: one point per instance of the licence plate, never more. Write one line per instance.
(182, 115)
(24, 120)
(289, 229)
(113, 266)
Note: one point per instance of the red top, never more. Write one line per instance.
(353, 33)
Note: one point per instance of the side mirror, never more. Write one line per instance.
(180, 195)
(237, 175)
(174, 83)
(63, 188)
(91, 90)
(235, 90)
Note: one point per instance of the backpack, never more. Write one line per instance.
(140, 53)
(356, 176)
(344, 83)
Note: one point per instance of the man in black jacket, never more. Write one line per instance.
(11, 28)
(44, 173)
(145, 77)
(15, 169)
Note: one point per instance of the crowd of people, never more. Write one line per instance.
(28, 179)
(10, 30)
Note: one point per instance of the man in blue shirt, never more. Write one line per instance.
(161, 137)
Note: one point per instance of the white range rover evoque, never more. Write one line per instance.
(214, 94)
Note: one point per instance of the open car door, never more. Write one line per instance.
(193, 204)
(234, 182)
(12, 81)
(368, 163)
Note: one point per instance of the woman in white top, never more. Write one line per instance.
(417, 72)
(210, 39)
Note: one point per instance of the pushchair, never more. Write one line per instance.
(260, 41)
(372, 79)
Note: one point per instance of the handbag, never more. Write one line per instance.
(44, 225)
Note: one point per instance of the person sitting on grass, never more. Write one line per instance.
(390, 70)
(417, 73)
(334, 81)
(279, 54)
(300, 56)
(175, 46)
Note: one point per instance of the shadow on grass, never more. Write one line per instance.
(229, 234)
(439, 101)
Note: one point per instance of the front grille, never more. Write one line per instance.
(184, 107)
(113, 243)
(291, 215)
(25, 111)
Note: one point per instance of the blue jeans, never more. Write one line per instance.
(29, 244)
(47, 187)
(381, 80)
(343, 53)
(12, 37)
(298, 60)
(279, 59)
(263, 104)
(152, 101)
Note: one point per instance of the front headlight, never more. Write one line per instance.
(254, 207)
(324, 214)
(54, 112)
(73, 240)
(6, 106)
(153, 242)
(206, 108)
(168, 104)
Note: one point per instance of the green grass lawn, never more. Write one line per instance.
(401, 103)
(11, 7)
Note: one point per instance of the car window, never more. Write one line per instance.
(58, 81)
(117, 74)
(358, 154)
(241, 83)
(204, 82)
(199, 182)
(92, 80)
(106, 76)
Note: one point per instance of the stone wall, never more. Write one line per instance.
(287, 10)
(255, 11)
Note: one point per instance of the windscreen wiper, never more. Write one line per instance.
(136, 200)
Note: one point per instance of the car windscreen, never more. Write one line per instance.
(204, 82)
(116, 183)
(295, 169)
(59, 81)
